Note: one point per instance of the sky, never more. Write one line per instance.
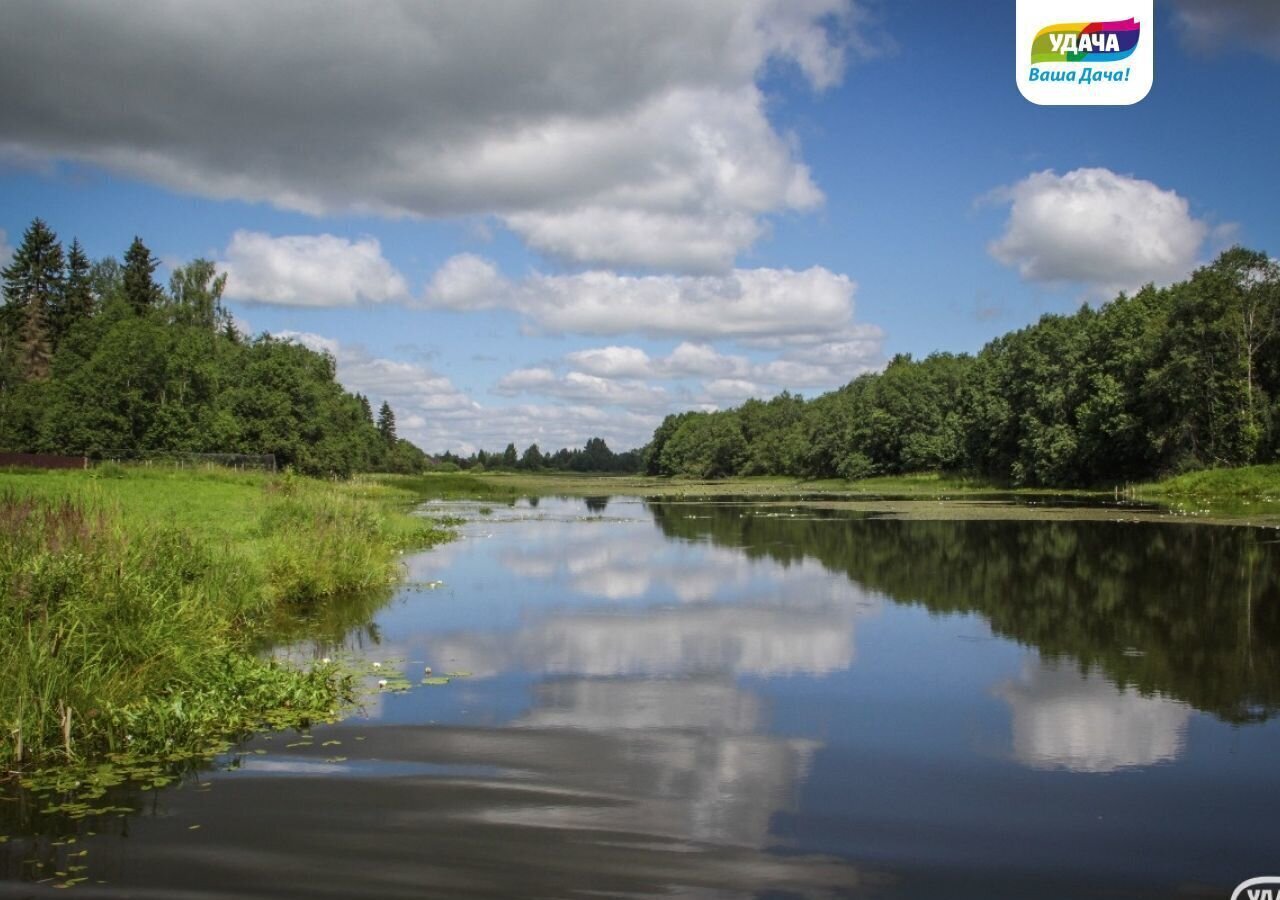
(548, 221)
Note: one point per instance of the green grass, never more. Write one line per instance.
(131, 602)
(1245, 483)
(454, 486)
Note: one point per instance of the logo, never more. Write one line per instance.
(1085, 52)
(1266, 887)
(1086, 42)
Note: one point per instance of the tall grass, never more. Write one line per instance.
(457, 486)
(122, 630)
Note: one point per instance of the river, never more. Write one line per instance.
(735, 699)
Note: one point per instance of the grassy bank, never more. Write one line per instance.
(1227, 496)
(1252, 482)
(509, 485)
(1247, 483)
(131, 601)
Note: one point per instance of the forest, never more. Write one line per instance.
(595, 457)
(97, 358)
(1165, 381)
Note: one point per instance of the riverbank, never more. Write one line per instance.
(1248, 495)
(133, 600)
(499, 485)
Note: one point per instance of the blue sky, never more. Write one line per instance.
(547, 222)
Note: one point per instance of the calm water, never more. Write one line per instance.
(723, 700)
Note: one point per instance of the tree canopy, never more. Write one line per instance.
(1167, 380)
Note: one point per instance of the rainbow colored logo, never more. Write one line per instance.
(1085, 42)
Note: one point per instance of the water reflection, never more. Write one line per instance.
(1082, 722)
(761, 640)
(689, 747)
(1188, 612)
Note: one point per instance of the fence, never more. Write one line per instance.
(180, 460)
(43, 461)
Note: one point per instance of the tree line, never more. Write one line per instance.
(97, 358)
(1167, 380)
(594, 457)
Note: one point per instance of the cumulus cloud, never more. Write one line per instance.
(549, 425)
(730, 391)
(703, 359)
(309, 270)
(613, 362)
(410, 388)
(741, 303)
(624, 375)
(1096, 227)
(759, 304)
(436, 415)
(1209, 25)
(581, 387)
(466, 281)
(533, 378)
(629, 133)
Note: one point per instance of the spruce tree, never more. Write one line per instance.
(34, 273)
(32, 291)
(140, 287)
(532, 458)
(76, 302)
(387, 423)
(34, 351)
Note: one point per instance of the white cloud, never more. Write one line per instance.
(529, 379)
(628, 133)
(549, 425)
(466, 281)
(580, 387)
(742, 303)
(750, 304)
(433, 413)
(703, 359)
(1209, 25)
(731, 391)
(309, 270)
(1095, 227)
(613, 362)
(6, 252)
(410, 388)
(623, 375)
